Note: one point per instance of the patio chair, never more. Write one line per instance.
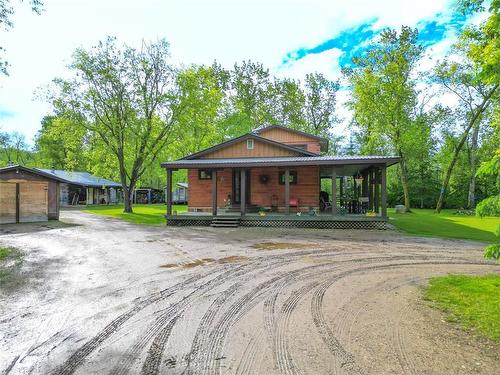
(324, 204)
(294, 202)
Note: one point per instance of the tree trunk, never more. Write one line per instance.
(479, 110)
(127, 200)
(471, 201)
(404, 183)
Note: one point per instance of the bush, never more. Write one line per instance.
(489, 206)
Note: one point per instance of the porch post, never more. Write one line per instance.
(243, 192)
(384, 190)
(334, 191)
(287, 191)
(370, 190)
(168, 196)
(377, 190)
(214, 192)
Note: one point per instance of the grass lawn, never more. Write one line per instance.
(151, 214)
(424, 222)
(472, 301)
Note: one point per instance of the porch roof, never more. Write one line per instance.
(338, 160)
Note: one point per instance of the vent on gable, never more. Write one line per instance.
(249, 144)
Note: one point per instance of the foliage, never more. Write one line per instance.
(385, 104)
(471, 301)
(445, 224)
(127, 99)
(149, 214)
(489, 206)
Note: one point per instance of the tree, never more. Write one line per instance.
(127, 98)
(462, 79)
(384, 99)
(319, 108)
(6, 13)
(60, 143)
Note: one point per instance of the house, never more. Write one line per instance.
(77, 188)
(28, 195)
(180, 194)
(273, 176)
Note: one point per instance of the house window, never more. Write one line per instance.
(249, 144)
(292, 177)
(302, 147)
(204, 174)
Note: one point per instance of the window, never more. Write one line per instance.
(204, 174)
(302, 147)
(292, 177)
(249, 144)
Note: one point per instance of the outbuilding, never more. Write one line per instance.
(28, 195)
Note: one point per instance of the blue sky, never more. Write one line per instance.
(291, 37)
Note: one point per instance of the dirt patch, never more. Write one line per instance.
(232, 259)
(206, 261)
(282, 245)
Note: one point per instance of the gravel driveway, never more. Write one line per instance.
(98, 295)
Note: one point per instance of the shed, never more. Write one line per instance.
(180, 194)
(28, 195)
(84, 188)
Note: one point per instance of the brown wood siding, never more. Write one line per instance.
(35, 190)
(306, 190)
(33, 201)
(239, 150)
(292, 139)
(7, 202)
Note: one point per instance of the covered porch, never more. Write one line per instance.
(263, 192)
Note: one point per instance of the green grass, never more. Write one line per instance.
(472, 301)
(150, 214)
(424, 222)
(10, 260)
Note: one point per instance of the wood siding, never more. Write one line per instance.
(38, 196)
(7, 202)
(33, 201)
(261, 194)
(239, 150)
(292, 139)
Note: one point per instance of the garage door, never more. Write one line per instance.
(33, 198)
(7, 202)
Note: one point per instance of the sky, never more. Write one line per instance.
(290, 37)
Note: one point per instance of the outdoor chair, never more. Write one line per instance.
(294, 202)
(324, 204)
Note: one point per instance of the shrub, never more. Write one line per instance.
(489, 206)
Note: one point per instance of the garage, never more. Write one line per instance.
(27, 195)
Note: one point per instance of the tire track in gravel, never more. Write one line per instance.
(77, 358)
(347, 361)
(204, 326)
(151, 365)
(407, 364)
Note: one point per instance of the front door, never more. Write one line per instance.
(237, 186)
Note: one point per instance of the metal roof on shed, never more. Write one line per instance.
(79, 178)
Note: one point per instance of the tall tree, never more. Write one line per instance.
(126, 97)
(461, 78)
(384, 98)
(320, 103)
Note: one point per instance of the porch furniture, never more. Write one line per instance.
(294, 202)
(324, 205)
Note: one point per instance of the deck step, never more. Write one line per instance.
(225, 222)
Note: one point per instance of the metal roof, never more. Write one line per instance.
(19, 167)
(282, 161)
(79, 178)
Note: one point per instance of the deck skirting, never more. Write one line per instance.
(287, 222)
